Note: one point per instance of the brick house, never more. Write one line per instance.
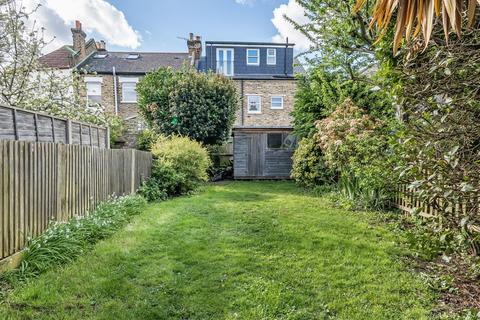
(110, 77)
(264, 74)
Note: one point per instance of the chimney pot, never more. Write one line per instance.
(78, 25)
(191, 36)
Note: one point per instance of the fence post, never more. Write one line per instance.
(134, 160)
(15, 129)
(53, 129)
(69, 131)
(107, 138)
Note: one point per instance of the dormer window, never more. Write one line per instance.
(271, 56)
(133, 56)
(253, 57)
(100, 56)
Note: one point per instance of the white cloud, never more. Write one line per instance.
(58, 16)
(285, 29)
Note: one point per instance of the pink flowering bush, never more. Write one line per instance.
(356, 146)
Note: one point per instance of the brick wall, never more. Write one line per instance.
(127, 111)
(266, 89)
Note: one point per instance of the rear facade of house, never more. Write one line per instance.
(262, 72)
(264, 76)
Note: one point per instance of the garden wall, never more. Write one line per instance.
(41, 182)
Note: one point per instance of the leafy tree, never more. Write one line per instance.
(198, 105)
(26, 83)
(341, 41)
(319, 92)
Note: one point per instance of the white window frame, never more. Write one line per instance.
(93, 80)
(249, 96)
(274, 57)
(129, 80)
(224, 66)
(271, 102)
(258, 57)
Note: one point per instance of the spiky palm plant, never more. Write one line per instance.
(415, 16)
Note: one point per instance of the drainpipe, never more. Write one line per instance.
(242, 98)
(285, 58)
(115, 93)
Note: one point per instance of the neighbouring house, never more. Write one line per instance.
(264, 74)
(110, 77)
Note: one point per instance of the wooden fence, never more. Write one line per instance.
(23, 125)
(40, 182)
(406, 201)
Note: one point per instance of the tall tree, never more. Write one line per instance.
(340, 39)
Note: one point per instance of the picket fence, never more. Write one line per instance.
(406, 201)
(41, 182)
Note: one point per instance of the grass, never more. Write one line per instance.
(243, 250)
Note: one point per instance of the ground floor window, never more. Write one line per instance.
(276, 102)
(254, 104)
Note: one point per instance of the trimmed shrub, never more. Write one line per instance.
(180, 166)
(309, 167)
(146, 139)
(188, 103)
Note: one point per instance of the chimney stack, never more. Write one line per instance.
(79, 39)
(101, 45)
(194, 44)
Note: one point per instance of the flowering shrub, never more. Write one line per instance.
(356, 145)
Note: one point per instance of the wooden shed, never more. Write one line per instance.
(263, 152)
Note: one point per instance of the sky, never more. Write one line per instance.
(156, 25)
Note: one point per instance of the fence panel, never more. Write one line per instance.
(406, 201)
(41, 182)
(24, 125)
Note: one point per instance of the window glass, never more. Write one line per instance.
(254, 104)
(277, 102)
(275, 140)
(94, 92)
(225, 61)
(253, 56)
(271, 56)
(128, 92)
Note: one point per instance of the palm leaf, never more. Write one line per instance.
(418, 16)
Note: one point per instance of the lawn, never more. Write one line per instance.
(242, 250)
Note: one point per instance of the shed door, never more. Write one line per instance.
(256, 155)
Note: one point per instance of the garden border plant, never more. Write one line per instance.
(63, 242)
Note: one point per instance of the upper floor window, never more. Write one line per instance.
(276, 102)
(254, 104)
(253, 57)
(271, 56)
(129, 93)
(225, 61)
(94, 89)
